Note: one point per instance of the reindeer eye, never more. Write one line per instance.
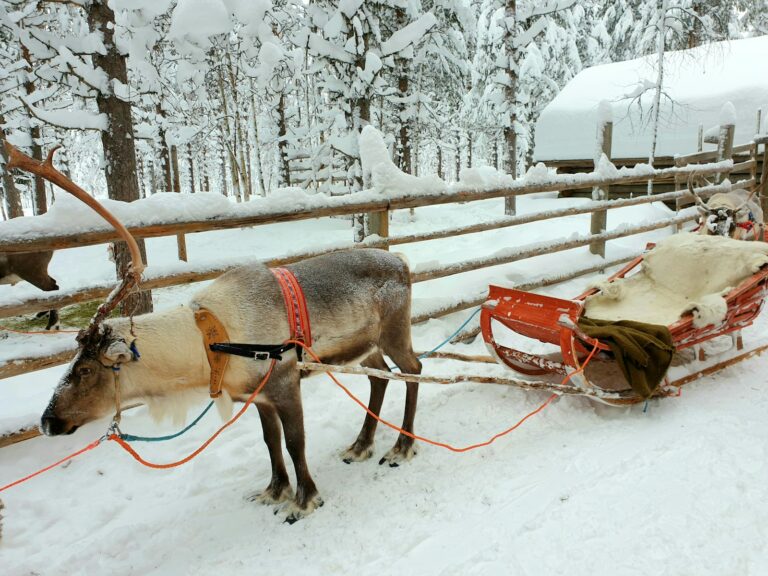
(84, 371)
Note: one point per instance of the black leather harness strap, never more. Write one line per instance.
(255, 351)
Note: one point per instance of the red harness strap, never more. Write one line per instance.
(295, 305)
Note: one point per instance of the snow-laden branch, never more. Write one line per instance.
(319, 46)
(531, 9)
(73, 119)
(527, 37)
(409, 36)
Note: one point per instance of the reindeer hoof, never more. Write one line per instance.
(294, 512)
(355, 454)
(270, 496)
(398, 455)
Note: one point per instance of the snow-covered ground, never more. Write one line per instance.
(579, 489)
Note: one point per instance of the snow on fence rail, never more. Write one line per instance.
(18, 236)
(14, 237)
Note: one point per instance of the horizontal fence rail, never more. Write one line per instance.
(345, 206)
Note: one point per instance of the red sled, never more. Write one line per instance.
(555, 321)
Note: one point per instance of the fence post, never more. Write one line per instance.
(600, 218)
(700, 140)
(181, 243)
(378, 223)
(763, 185)
(754, 150)
(725, 147)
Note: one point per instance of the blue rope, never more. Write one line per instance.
(132, 438)
(452, 336)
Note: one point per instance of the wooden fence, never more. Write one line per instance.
(379, 205)
(747, 162)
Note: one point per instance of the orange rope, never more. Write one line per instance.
(395, 427)
(205, 444)
(311, 352)
(256, 392)
(90, 446)
(39, 332)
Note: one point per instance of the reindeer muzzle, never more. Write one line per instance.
(54, 426)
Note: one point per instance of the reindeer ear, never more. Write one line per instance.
(118, 352)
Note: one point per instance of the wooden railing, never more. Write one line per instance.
(747, 162)
(368, 202)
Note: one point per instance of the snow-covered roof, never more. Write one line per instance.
(699, 83)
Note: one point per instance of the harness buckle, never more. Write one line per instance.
(113, 429)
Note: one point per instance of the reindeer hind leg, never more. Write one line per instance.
(403, 450)
(362, 448)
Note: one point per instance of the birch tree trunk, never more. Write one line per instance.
(229, 142)
(175, 166)
(191, 168)
(165, 154)
(40, 202)
(282, 142)
(510, 94)
(661, 25)
(257, 143)
(224, 188)
(404, 152)
(439, 159)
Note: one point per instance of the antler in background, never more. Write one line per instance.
(46, 170)
(132, 277)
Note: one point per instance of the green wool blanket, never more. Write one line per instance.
(643, 351)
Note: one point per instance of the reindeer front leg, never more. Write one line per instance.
(291, 415)
(279, 488)
(362, 449)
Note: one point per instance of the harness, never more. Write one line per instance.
(749, 225)
(217, 345)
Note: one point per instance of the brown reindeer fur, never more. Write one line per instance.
(359, 308)
(32, 267)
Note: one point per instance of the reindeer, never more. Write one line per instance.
(32, 267)
(359, 304)
(733, 214)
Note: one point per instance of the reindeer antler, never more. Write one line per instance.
(132, 277)
(46, 170)
(749, 197)
(696, 197)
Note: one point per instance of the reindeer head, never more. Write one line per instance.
(86, 391)
(719, 221)
(720, 214)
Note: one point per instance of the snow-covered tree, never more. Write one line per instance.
(525, 52)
